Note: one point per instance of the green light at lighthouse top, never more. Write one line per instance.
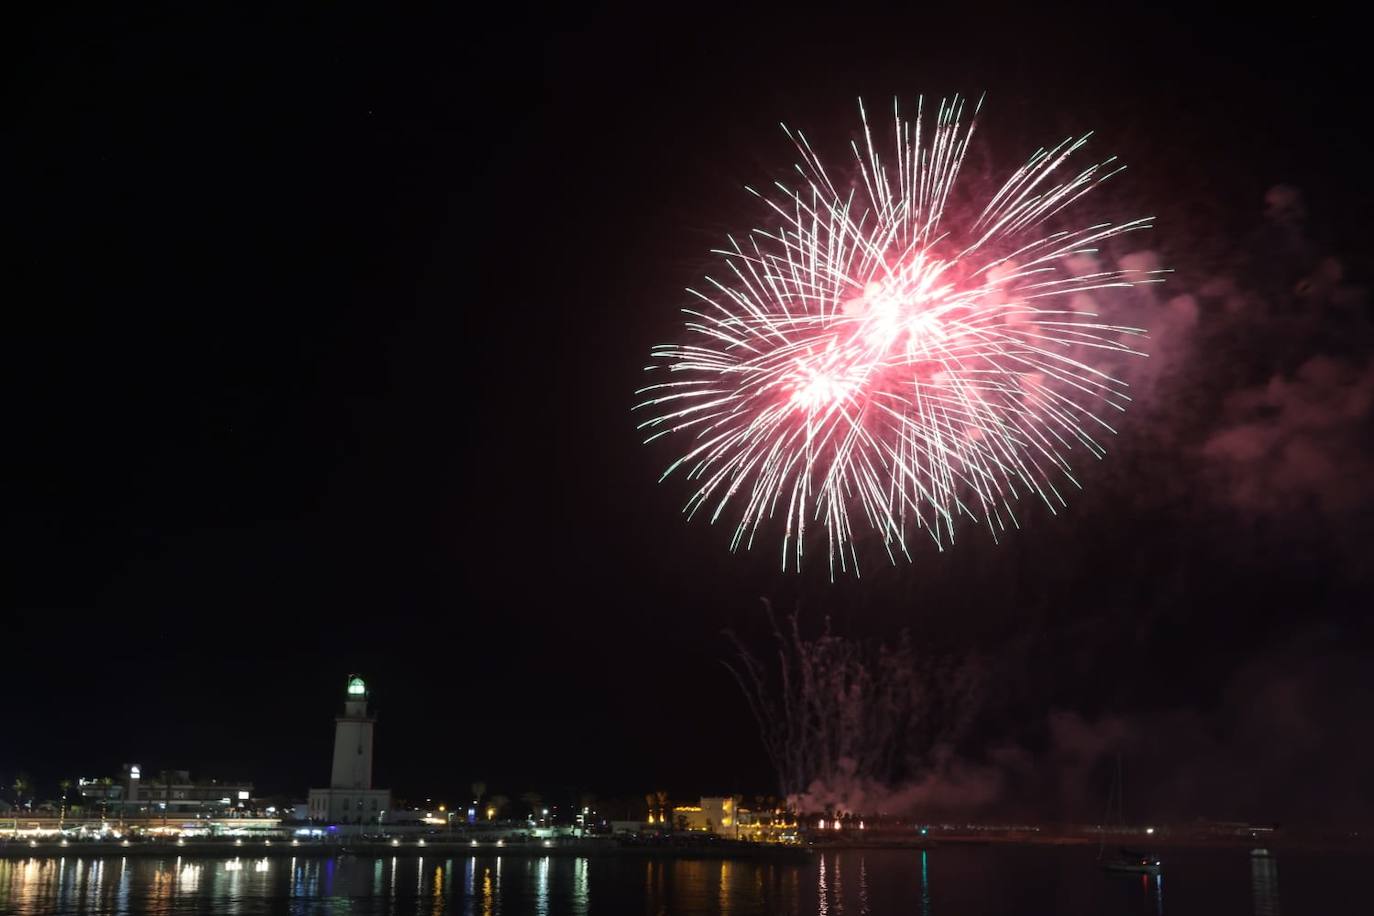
(356, 687)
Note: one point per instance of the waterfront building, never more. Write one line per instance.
(350, 798)
(20, 826)
(170, 792)
(726, 817)
(715, 814)
(767, 826)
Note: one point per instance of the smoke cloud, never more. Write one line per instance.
(1251, 433)
(1298, 440)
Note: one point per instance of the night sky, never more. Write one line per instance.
(321, 336)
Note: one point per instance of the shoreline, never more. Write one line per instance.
(603, 849)
(411, 850)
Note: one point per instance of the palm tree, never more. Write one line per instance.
(167, 794)
(479, 789)
(105, 784)
(535, 802)
(662, 798)
(64, 785)
(22, 786)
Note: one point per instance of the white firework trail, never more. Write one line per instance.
(876, 360)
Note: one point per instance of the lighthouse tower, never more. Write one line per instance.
(353, 740)
(350, 798)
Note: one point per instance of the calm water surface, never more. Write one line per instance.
(957, 881)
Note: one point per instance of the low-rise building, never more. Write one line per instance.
(716, 814)
(725, 817)
(767, 826)
(172, 792)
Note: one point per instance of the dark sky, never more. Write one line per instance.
(322, 330)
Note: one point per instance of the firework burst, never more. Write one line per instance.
(879, 359)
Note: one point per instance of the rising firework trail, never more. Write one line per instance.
(882, 358)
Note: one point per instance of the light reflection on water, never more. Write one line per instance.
(943, 881)
(1264, 884)
(824, 888)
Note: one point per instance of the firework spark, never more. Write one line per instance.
(879, 358)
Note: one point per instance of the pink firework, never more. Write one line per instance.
(874, 362)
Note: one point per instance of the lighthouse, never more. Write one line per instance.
(350, 798)
(353, 740)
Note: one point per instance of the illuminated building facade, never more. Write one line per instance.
(778, 826)
(725, 817)
(170, 792)
(350, 798)
(716, 814)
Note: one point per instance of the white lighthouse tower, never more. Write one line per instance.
(353, 740)
(350, 798)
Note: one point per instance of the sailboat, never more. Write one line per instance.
(1132, 862)
(1126, 861)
